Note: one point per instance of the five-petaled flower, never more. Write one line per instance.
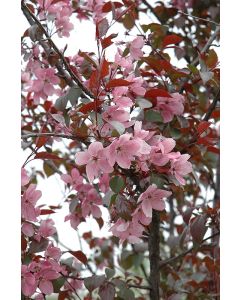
(95, 160)
(152, 198)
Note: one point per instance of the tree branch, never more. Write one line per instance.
(211, 107)
(32, 19)
(174, 258)
(154, 256)
(143, 287)
(152, 10)
(197, 18)
(207, 45)
(51, 134)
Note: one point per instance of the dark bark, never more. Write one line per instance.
(154, 256)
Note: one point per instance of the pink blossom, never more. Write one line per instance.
(136, 86)
(63, 23)
(74, 218)
(96, 7)
(75, 179)
(24, 177)
(151, 199)
(94, 159)
(161, 148)
(139, 216)
(39, 297)
(136, 46)
(180, 166)
(53, 252)
(43, 85)
(29, 283)
(29, 200)
(124, 62)
(46, 229)
(126, 230)
(47, 271)
(27, 229)
(170, 107)
(104, 183)
(114, 113)
(122, 151)
(140, 136)
(120, 98)
(45, 4)
(73, 284)
(90, 204)
(141, 133)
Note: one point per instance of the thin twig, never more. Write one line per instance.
(198, 18)
(174, 258)
(211, 107)
(143, 287)
(50, 134)
(75, 291)
(207, 45)
(152, 10)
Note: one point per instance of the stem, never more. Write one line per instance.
(152, 10)
(50, 134)
(183, 254)
(154, 256)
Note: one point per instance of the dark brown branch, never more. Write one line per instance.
(154, 256)
(75, 291)
(174, 258)
(152, 10)
(211, 107)
(29, 15)
(197, 18)
(143, 287)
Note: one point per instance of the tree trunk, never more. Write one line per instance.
(154, 256)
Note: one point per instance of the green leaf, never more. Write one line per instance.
(198, 228)
(57, 284)
(71, 95)
(113, 199)
(93, 282)
(158, 180)
(175, 133)
(153, 116)
(117, 184)
(107, 291)
(126, 294)
(109, 273)
(48, 170)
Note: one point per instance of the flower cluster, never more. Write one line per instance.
(87, 201)
(38, 274)
(140, 149)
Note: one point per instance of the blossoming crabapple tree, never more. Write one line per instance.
(139, 136)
